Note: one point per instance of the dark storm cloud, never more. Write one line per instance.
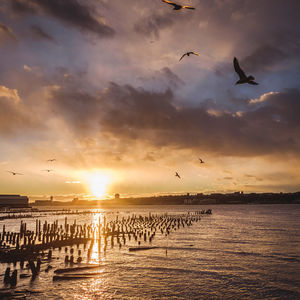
(38, 33)
(129, 114)
(72, 12)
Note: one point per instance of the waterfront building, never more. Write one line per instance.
(13, 201)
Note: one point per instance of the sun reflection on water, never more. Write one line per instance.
(98, 251)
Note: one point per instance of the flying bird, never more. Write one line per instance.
(201, 161)
(188, 54)
(177, 175)
(178, 6)
(243, 77)
(51, 160)
(47, 170)
(14, 173)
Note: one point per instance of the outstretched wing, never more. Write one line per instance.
(169, 2)
(238, 69)
(195, 53)
(182, 56)
(188, 7)
(252, 82)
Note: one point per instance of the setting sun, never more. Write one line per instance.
(98, 183)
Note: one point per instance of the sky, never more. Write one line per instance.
(98, 86)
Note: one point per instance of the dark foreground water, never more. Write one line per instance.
(239, 252)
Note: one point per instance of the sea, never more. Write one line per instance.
(237, 252)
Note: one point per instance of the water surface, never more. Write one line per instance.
(239, 252)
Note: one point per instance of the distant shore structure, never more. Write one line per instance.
(14, 201)
(44, 202)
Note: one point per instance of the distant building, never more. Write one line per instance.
(13, 201)
(75, 201)
(44, 202)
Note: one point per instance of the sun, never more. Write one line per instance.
(98, 184)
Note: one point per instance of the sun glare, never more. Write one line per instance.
(98, 183)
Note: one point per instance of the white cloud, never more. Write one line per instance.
(9, 93)
(263, 98)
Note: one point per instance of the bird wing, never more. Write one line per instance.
(14, 173)
(238, 69)
(182, 56)
(169, 2)
(195, 53)
(188, 7)
(252, 82)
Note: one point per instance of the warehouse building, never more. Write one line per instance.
(13, 201)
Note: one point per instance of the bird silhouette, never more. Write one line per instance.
(47, 170)
(243, 77)
(14, 173)
(188, 54)
(178, 6)
(51, 160)
(177, 175)
(201, 161)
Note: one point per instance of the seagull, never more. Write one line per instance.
(47, 170)
(188, 54)
(177, 175)
(241, 73)
(14, 173)
(51, 160)
(201, 161)
(177, 6)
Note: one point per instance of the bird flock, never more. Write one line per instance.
(243, 78)
(44, 170)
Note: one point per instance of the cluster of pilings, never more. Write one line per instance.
(15, 216)
(24, 215)
(27, 246)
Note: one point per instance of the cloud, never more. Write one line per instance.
(163, 77)
(72, 12)
(9, 93)
(38, 33)
(14, 117)
(253, 177)
(263, 58)
(263, 97)
(172, 78)
(156, 118)
(152, 25)
(6, 34)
